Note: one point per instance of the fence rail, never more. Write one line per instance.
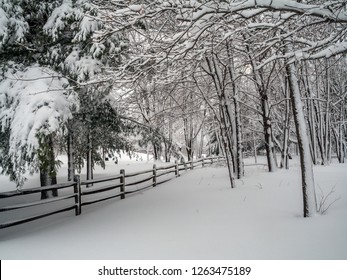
(35, 190)
(123, 183)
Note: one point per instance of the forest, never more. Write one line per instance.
(176, 79)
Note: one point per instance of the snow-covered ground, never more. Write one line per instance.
(196, 216)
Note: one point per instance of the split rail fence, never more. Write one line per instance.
(76, 194)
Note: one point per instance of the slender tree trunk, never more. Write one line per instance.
(188, 139)
(239, 157)
(237, 116)
(308, 187)
(267, 124)
(167, 151)
(320, 135)
(227, 150)
(70, 155)
(168, 142)
(327, 118)
(231, 129)
(342, 142)
(227, 112)
(147, 151)
(313, 133)
(269, 146)
(311, 118)
(255, 150)
(90, 158)
(338, 144)
(284, 153)
(224, 116)
(286, 126)
(201, 144)
(156, 153)
(220, 146)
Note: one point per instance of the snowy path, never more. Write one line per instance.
(196, 216)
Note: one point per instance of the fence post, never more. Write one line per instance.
(122, 182)
(77, 191)
(191, 164)
(203, 163)
(177, 171)
(211, 160)
(154, 175)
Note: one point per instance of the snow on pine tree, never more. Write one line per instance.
(20, 34)
(82, 57)
(58, 36)
(34, 106)
(74, 28)
(25, 95)
(69, 28)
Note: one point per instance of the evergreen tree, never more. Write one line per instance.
(40, 43)
(34, 106)
(34, 102)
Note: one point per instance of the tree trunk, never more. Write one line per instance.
(342, 142)
(90, 159)
(267, 124)
(255, 149)
(156, 154)
(284, 153)
(220, 150)
(147, 151)
(46, 179)
(320, 135)
(201, 144)
(227, 151)
(224, 111)
(188, 138)
(327, 118)
(167, 151)
(311, 118)
(308, 188)
(168, 142)
(237, 131)
(48, 174)
(70, 156)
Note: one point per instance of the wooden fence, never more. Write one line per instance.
(78, 194)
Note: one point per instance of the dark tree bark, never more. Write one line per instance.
(90, 158)
(70, 155)
(48, 174)
(225, 117)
